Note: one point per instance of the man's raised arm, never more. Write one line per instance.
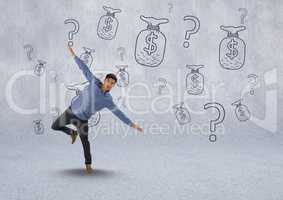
(116, 111)
(87, 73)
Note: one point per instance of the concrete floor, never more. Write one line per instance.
(141, 167)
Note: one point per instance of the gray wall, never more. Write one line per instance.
(41, 24)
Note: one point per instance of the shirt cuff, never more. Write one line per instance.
(131, 123)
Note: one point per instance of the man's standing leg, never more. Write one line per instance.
(83, 132)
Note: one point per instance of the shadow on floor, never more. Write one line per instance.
(80, 172)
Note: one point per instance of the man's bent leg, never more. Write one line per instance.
(60, 123)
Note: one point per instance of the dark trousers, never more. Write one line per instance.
(68, 117)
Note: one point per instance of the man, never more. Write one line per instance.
(91, 99)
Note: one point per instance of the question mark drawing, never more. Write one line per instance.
(29, 50)
(74, 31)
(253, 80)
(194, 30)
(122, 52)
(218, 120)
(170, 7)
(244, 14)
(162, 82)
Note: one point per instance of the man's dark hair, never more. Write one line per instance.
(113, 76)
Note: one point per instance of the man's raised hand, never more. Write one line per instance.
(72, 51)
(136, 126)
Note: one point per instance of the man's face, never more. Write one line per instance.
(109, 83)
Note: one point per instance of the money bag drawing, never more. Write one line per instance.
(77, 87)
(123, 76)
(241, 111)
(38, 127)
(39, 68)
(232, 49)
(194, 80)
(87, 56)
(151, 43)
(182, 114)
(94, 119)
(108, 24)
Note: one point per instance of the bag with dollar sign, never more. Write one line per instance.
(94, 119)
(232, 49)
(242, 111)
(182, 114)
(39, 68)
(194, 80)
(108, 24)
(86, 57)
(38, 127)
(123, 76)
(151, 43)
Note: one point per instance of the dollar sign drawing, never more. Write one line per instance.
(151, 48)
(195, 81)
(108, 26)
(233, 51)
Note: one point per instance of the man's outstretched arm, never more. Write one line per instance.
(87, 73)
(116, 111)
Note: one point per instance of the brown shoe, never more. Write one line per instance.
(74, 136)
(89, 170)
